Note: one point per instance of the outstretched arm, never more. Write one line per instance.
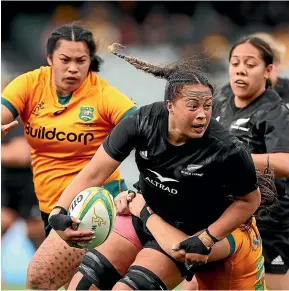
(115, 148)
(94, 173)
(7, 120)
(279, 162)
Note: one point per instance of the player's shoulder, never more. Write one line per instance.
(153, 111)
(271, 96)
(31, 78)
(100, 82)
(220, 134)
(106, 89)
(282, 88)
(94, 81)
(221, 97)
(41, 74)
(97, 80)
(223, 93)
(271, 104)
(224, 142)
(226, 90)
(149, 116)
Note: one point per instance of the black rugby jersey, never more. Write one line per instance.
(186, 185)
(263, 126)
(282, 88)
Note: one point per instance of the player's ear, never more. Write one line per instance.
(268, 71)
(49, 60)
(169, 106)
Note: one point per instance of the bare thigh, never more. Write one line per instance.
(53, 264)
(277, 281)
(160, 265)
(120, 252)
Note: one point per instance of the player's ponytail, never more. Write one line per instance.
(269, 199)
(157, 71)
(178, 74)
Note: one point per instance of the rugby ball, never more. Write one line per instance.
(95, 209)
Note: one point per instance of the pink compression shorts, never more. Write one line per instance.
(124, 227)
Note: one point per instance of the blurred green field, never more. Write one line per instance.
(13, 287)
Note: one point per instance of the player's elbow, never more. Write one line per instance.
(252, 201)
(255, 200)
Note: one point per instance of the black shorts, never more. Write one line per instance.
(47, 227)
(148, 241)
(17, 193)
(275, 240)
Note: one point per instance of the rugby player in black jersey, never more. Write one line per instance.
(190, 169)
(254, 113)
(280, 84)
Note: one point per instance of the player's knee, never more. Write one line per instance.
(121, 286)
(35, 275)
(140, 278)
(97, 270)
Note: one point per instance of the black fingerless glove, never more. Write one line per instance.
(60, 221)
(195, 245)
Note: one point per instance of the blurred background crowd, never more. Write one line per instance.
(159, 32)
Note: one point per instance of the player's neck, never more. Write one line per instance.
(274, 81)
(175, 137)
(243, 102)
(60, 92)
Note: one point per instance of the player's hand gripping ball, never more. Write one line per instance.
(94, 208)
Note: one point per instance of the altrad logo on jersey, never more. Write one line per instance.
(162, 180)
(50, 134)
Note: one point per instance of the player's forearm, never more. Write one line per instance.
(94, 174)
(165, 234)
(235, 215)
(82, 181)
(279, 162)
(15, 155)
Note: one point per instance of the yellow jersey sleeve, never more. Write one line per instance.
(16, 95)
(235, 240)
(116, 105)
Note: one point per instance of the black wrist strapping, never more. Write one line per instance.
(145, 213)
(211, 236)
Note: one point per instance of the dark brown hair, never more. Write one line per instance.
(74, 32)
(269, 200)
(263, 48)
